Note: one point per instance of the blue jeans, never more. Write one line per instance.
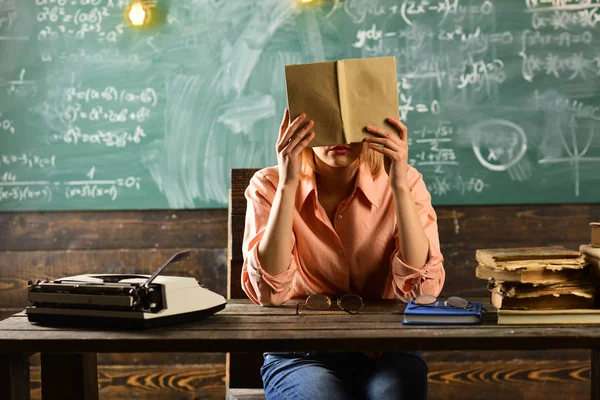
(333, 376)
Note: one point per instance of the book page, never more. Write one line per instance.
(313, 89)
(368, 95)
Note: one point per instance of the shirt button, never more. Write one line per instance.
(340, 216)
(340, 251)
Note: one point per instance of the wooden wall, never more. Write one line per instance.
(39, 245)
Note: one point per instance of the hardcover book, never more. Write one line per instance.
(548, 317)
(549, 258)
(440, 314)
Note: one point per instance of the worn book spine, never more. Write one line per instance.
(528, 275)
(345, 107)
(583, 287)
(545, 302)
(595, 228)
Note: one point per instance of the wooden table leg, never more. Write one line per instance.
(14, 376)
(68, 376)
(595, 358)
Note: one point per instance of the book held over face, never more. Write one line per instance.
(343, 97)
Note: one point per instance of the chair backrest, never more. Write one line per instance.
(243, 369)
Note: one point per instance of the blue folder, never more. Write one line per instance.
(440, 314)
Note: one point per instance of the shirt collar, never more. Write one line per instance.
(306, 186)
(369, 186)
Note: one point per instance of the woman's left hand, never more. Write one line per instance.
(394, 147)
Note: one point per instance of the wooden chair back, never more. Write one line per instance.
(242, 369)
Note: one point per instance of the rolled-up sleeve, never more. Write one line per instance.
(261, 287)
(411, 281)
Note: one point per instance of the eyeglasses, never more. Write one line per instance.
(427, 300)
(351, 303)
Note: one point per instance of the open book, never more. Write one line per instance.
(343, 97)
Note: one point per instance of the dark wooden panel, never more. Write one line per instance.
(240, 178)
(595, 373)
(113, 229)
(208, 266)
(69, 376)
(14, 377)
(250, 378)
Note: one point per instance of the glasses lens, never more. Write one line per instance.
(425, 299)
(458, 302)
(351, 302)
(318, 302)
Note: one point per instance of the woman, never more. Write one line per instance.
(329, 220)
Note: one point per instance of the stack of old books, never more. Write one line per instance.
(538, 285)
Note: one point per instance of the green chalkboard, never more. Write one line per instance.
(501, 97)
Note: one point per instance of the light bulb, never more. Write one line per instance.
(137, 13)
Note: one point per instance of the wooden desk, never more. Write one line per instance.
(68, 356)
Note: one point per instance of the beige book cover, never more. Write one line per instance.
(343, 97)
(590, 251)
(548, 317)
(595, 228)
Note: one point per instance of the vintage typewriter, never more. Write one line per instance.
(122, 300)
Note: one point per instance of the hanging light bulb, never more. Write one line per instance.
(137, 14)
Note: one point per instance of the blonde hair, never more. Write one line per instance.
(372, 159)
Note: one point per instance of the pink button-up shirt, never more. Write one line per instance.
(357, 253)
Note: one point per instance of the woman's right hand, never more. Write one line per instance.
(290, 143)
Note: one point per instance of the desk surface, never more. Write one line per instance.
(243, 326)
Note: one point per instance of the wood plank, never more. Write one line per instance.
(206, 265)
(245, 394)
(199, 337)
(519, 378)
(153, 382)
(14, 377)
(166, 359)
(69, 376)
(515, 379)
(7, 312)
(113, 229)
(595, 373)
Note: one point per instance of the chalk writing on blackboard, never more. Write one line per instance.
(106, 138)
(75, 18)
(576, 146)
(28, 160)
(21, 87)
(498, 144)
(13, 189)
(500, 96)
(6, 125)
